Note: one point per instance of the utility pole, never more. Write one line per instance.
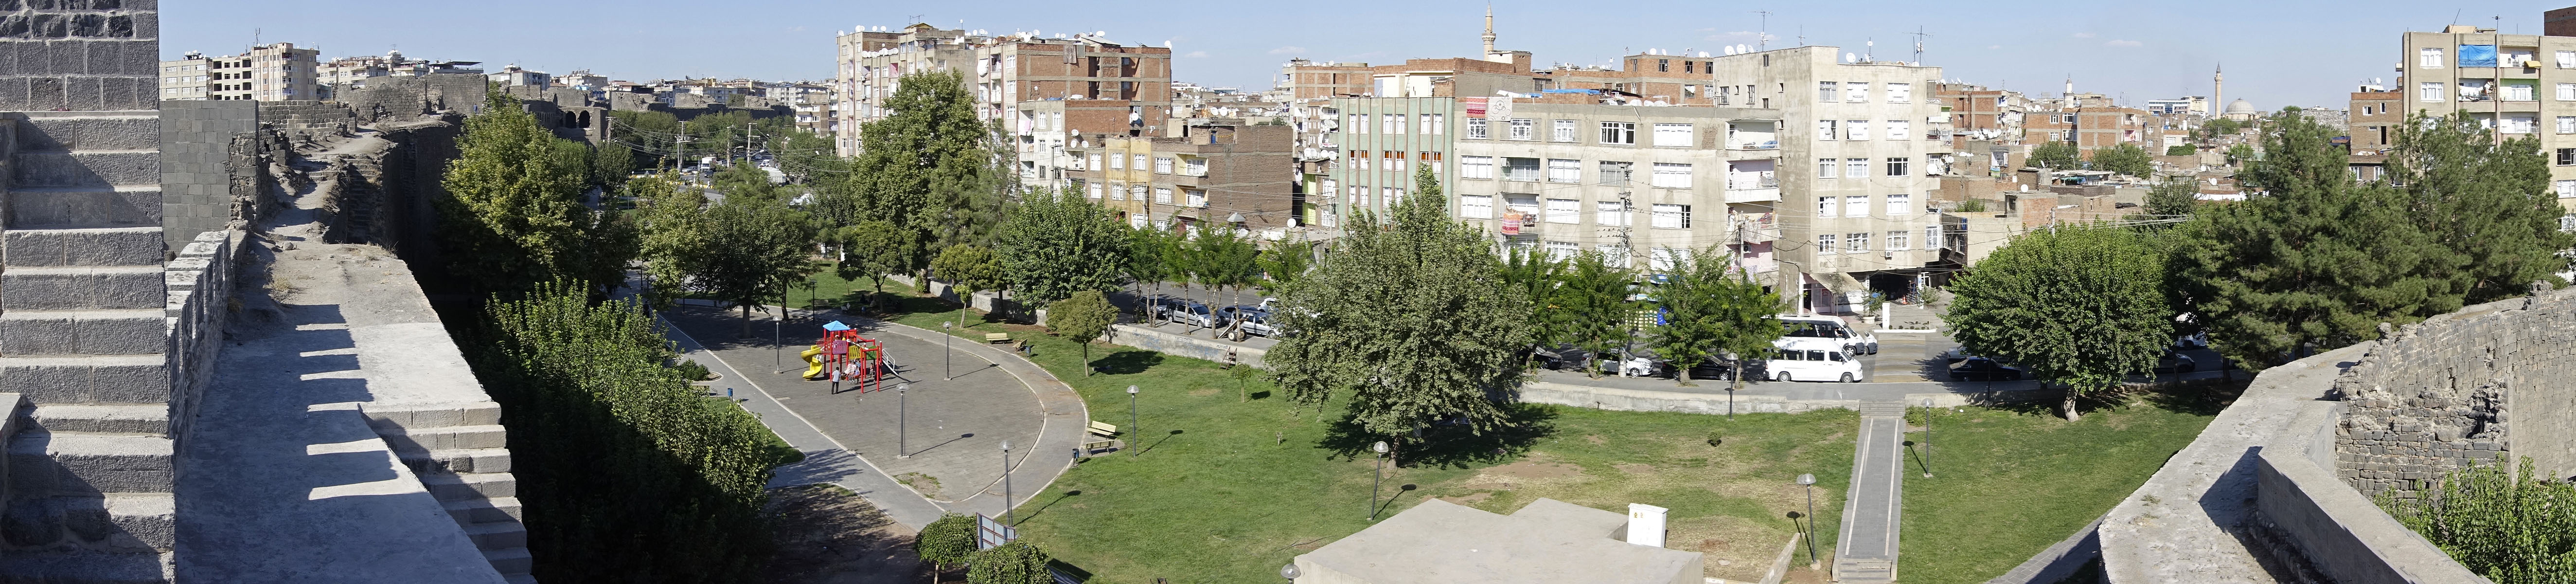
(679, 152)
(1762, 36)
(1919, 35)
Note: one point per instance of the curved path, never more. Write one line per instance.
(954, 417)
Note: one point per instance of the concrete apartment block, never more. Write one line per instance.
(2518, 84)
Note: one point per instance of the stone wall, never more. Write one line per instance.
(408, 174)
(200, 191)
(200, 283)
(79, 55)
(2483, 384)
(401, 99)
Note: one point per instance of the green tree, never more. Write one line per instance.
(1056, 244)
(2239, 154)
(967, 269)
(1082, 317)
(610, 164)
(2488, 202)
(2173, 197)
(2053, 155)
(1535, 276)
(1223, 259)
(2080, 306)
(1405, 315)
(2181, 150)
(1286, 260)
(2220, 127)
(2125, 158)
(514, 215)
(945, 542)
(739, 251)
(929, 167)
(1713, 309)
(1146, 261)
(874, 248)
(1745, 320)
(1017, 562)
(2511, 527)
(2309, 261)
(1589, 307)
(747, 182)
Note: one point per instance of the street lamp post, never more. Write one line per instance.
(1927, 437)
(944, 373)
(1132, 428)
(1808, 482)
(777, 336)
(1006, 483)
(1379, 479)
(1290, 572)
(899, 409)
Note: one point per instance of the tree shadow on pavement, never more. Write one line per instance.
(825, 534)
(1447, 445)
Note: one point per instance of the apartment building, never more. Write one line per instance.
(1006, 70)
(812, 102)
(1653, 76)
(271, 72)
(1310, 80)
(2090, 128)
(2376, 113)
(1200, 171)
(1855, 222)
(1638, 184)
(515, 75)
(190, 77)
(1050, 137)
(1378, 143)
(2521, 85)
(1981, 114)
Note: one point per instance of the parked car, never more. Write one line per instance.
(2199, 340)
(1191, 312)
(1983, 369)
(2176, 362)
(1252, 320)
(1722, 369)
(1853, 342)
(1954, 355)
(1560, 358)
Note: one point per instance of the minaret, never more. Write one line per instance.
(1489, 29)
(2218, 90)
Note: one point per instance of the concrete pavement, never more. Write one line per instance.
(1866, 550)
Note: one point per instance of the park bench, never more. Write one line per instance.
(1106, 437)
(990, 338)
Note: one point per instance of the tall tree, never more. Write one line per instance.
(2309, 261)
(2511, 526)
(1746, 318)
(1589, 308)
(513, 215)
(1224, 258)
(2054, 155)
(1708, 313)
(1082, 318)
(2486, 201)
(2173, 197)
(1406, 316)
(945, 542)
(929, 167)
(1286, 260)
(2081, 306)
(1535, 275)
(610, 165)
(874, 248)
(967, 269)
(1056, 244)
(1017, 562)
(2125, 158)
(1146, 248)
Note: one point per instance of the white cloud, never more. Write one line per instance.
(2083, 35)
(2121, 43)
(1288, 50)
(1994, 46)
(1197, 54)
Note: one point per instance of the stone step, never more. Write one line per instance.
(85, 206)
(497, 536)
(83, 288)
(519, 578)
(458, 460)
(84, 168)
(151, 419)
(46, 463)
(86, 567)
(141, 522)
(83, 246)
(395, 418)
(494, 510)
(446, 438)
(91, 132)
(38, 333)
(511, 561)
(87, 379)
(457, 487)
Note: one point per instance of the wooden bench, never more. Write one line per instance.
(1106, 437)
(990, 338)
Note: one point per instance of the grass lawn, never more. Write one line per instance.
(2011, 482)
(1234, 481)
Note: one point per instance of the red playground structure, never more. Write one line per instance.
(842, 356)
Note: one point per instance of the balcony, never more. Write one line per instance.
(1752, 187)
(1753, 195)
(1754, 227)
(1764, 143)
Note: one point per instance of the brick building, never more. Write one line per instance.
(2375, 115)
(1003, 71)
(271, 72)
(1198, 171)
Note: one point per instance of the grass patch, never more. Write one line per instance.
(2011, 482)
(927, 485)
(780, 454)
(1227, 489)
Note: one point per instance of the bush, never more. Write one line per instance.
(2513, 531)
(1018, 562)
(947, 541)
(1972, 206)
(2181, 150)
(692, 371)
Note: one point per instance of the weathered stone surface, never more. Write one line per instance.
(2435, 396)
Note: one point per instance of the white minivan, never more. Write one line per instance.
(1813, 359)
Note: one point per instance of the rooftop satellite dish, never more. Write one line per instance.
(1851, 58)
(1744, 48)
(1099, 33)
(1730, 51)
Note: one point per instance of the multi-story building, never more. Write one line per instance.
(1052, 136)
(1199, 171)
(1979, 114)
(812, 102)
(514, 75)
(190, 77)
(1310, 80)
(2376, 113)
(1379, 142)
(1853, 221)
(1653, 77)
(271, 72)
(1005, 70)
(2188, 106)
(2517, 84)
(1641, 185)
(2090, 128)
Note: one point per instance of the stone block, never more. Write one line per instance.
(90, 169)
(91, 464)
(89, 132)
(77, 288)
(32, 522)
(494, 510)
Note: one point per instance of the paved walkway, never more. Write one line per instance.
(952, 427)
(1866, 550)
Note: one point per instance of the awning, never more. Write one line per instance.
(1838, 282)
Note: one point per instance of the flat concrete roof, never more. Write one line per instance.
(1546, 542)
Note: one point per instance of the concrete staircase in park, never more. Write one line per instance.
(82, 350)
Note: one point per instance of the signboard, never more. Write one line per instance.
(1512, 223)
(1499, 108)
(1475, 106)
(991, 534)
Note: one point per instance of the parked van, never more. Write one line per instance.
(1852, 342)
(1813, 359)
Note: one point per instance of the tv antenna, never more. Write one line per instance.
(1762, 36)
(1919, 35)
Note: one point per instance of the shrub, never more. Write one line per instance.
(1018, 562)
(2511, 530)
(947, 541)
(2181, 150)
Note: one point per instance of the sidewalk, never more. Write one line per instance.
(1866, 550)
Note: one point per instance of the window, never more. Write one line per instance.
(1900, 130)
(1824, 129)
(1897, 241)
(1856, 91)
(1618, 132)
(1358, 123)
(1476, 128)
(1856, 130)
(1520, 169)
(2567, 92)
(2521, 124)
(1476, 206)
(1522, 127)
(1900, 204)
(1095, 190)
(2429, 57)
(1194, 167)
(1672, 175)
(1826, 167)
(1673, 135)
(1611, 214)
(1140, 162)
(2567, 124)
(1826, 205)
(1359, 160)
(1564, 210)
(1162, 196)
(1671, 216)
(1359, 196)
(1856, 206)
(1855, 168)
(1856, 243)
(2519, 91)
(1825, 243)
(1391, 124)
(2566, 189)
(1117, 162)
(2567, 156)
(1395, 162)
(1561, 130)
(1614, 173)
(1564, 171)
(1433, 124)
(1197, 198)
(1558, 251)
(1896, 166)
(2567, 59)
(1392, 195)
(1475, 167)
(1664, 65)
(1162, 165)
(1138, 192)
(1900, 93)
(1826, 91)
(1613, 255)
(1331, 188)
(2430, 90)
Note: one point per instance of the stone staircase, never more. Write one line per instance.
(461, 454)
(83, 339)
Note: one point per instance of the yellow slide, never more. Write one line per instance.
(813, 357)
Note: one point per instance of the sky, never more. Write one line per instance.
(2274, 53)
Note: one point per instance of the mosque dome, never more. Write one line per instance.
(2240, 107)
